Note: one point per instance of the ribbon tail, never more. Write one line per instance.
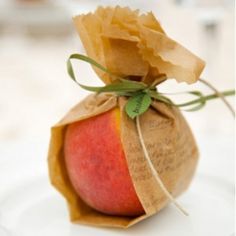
(220, 95)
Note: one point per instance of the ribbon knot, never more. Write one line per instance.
(141, 95)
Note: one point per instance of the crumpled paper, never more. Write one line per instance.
(134, 45)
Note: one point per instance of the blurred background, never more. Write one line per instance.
(37, 36)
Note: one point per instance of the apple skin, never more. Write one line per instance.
(97, 167)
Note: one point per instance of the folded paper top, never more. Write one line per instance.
(135, 46)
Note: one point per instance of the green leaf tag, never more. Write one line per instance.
(138, 104)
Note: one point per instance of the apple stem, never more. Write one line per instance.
(154, 172)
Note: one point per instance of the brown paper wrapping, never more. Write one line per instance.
(134, 46)
(130, 44)
(170, 144)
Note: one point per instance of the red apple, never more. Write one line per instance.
(97, 167)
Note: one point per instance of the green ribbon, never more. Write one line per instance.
(140, 94)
